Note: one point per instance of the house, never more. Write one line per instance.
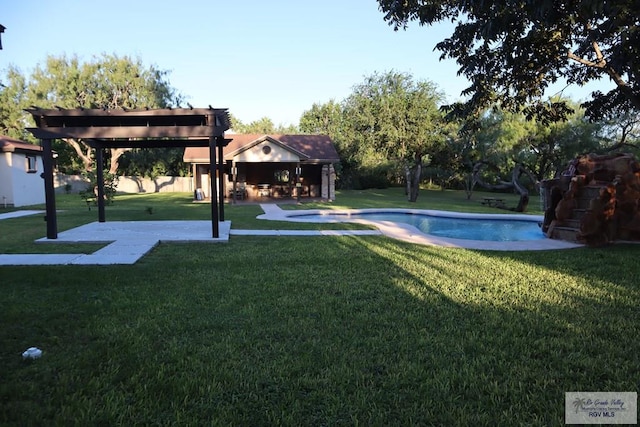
(20, 169)
(263, 167)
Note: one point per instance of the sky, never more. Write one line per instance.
(257, 58)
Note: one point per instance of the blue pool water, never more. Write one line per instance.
(501, 230)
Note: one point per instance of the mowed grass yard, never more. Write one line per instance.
(310, 330)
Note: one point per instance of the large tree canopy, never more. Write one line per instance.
(392, 118)
(511, 51)
(323, 119)
(107, 81)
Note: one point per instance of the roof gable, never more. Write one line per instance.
(307, 148)
(264, 149)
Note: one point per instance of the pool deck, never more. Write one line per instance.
(128, 241)
(409, 233)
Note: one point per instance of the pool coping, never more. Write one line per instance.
(409, 233)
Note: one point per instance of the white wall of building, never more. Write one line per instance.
(6, 188)
(18, 185)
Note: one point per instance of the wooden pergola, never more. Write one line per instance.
(147, 128)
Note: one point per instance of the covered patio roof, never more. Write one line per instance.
(309, 148)
(121, 128)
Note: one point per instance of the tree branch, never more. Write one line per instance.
(583, 61)
(78, 145)
(620, 145)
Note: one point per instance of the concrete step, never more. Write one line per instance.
(591, 191)
(578, 214)
(568, 234)
(572, 223)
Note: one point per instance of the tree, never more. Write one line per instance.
(328, 119)
(263, 126)
(108, 82)
(511, 51)
(508, 146)
(394, 119)
(154, 162)
(622, 127)
(323, 119)
(12, 100)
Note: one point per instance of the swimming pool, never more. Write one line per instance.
(485, 229)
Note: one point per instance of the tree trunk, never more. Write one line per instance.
(524, 193)
(407, 180)
(416, 174)
(78, 147)
(116, 153)
(469, 182)
(503, 185)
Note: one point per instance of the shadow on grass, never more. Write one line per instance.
(612, 266)
(308, 331)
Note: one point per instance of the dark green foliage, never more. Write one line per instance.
(372, 177)
(90, 193)
(153, 162)
(511, 51)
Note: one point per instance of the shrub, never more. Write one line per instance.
(90, 193)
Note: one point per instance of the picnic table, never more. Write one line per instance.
(492, 201)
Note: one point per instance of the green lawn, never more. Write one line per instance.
(311, 330)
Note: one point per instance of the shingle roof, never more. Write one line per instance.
(8, 144)
(315, 147)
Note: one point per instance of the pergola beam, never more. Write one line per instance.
(159, 143)
(100, 132)
(121, 112)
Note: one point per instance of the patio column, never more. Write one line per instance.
(194, 180)
(49, 192)
(332, 183)
(328, 190)
(298, 182)
(324, 183)
(234, 174)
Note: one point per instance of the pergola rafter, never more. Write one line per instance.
(144, 128)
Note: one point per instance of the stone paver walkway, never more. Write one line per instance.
(17, 214)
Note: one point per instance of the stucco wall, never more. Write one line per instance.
(6, 189)
(20, 187)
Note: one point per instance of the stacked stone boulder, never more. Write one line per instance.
(599, 196)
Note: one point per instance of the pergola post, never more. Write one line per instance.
(221, 186)
(215, 226)
(49, 191)
(100, 182)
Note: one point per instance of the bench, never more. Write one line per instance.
(493, 202)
